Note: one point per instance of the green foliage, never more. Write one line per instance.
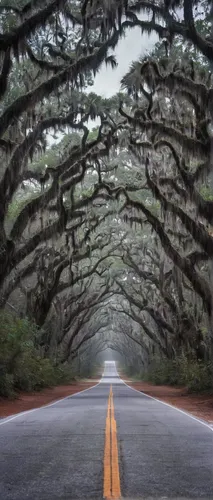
(64, 374)
(194, 374)
(185, 50)
(207, 193)
(93, 134)
(34, 373)
(131, 372)
(22, 366)
(55, 152)
(19, 203)
(6, 385)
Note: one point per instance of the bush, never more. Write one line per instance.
(7, 385)
(193, 374)
(130, 371)
(64, 374)
(22, 368)
(199, 378)
(34, 373)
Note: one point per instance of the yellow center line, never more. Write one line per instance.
(112, 489)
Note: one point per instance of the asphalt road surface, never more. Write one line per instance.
(56, 452)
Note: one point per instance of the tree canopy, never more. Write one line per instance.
(106, 235)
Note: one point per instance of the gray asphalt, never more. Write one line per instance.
(56, 452)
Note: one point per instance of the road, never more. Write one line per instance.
(60, 451)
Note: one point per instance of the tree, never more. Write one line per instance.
(77, 216)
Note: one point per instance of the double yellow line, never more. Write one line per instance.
(112, 487)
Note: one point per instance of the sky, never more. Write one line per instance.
(107, 81)
(130, 48)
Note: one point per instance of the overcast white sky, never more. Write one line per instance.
(130, 48)
(107, 81)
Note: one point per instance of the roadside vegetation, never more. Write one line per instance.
(106, 235)
(23, 366)
(195, 375)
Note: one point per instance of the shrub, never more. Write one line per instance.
(200, 377)
(34, 373)
(7, 385)
(64, 374)
(130, 370)
(191, 373)
(22, 368)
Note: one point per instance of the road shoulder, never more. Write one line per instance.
(28, 401)
(199, 405)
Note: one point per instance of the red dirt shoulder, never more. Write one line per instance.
(199, 405)
(27, 401)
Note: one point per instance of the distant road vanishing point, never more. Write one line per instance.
(110, 442)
